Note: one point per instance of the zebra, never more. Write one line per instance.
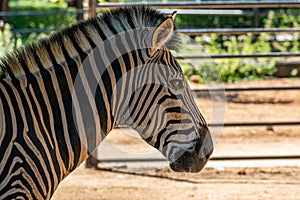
(61, 96)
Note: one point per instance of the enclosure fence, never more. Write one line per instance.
(195, 8)
(167, 6)
(255, 5)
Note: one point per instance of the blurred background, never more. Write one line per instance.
(243, 57)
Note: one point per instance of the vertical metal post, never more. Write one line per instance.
(92, 9)
(3, 7)
(79, 7)
(78, 4)
(92, 161)
(256, 14)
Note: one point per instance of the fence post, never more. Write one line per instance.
(256, 14)
(92, 161)
(92, 9)
(79, 8)
(78, 4)
(3, 7)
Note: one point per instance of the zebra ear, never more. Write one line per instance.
(163, 32)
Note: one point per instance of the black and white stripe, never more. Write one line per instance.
(60, 97)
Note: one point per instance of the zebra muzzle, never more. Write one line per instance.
(194, 159)
(189, 162)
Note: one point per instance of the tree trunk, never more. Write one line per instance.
(3, 7)
(92, 9)
(79, 5)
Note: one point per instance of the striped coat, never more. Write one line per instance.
(61, 96)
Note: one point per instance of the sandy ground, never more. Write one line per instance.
(215, 181)
(232, 183)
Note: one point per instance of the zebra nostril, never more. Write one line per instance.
(198, 146)
(206, 153)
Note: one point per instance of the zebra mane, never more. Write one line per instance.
(25, 58)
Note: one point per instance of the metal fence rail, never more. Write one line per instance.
(207, 4)
(37, 13)
(226, 5)
(195, 32)
(249, 5)
(241, 124)
(216, 158)
(247, 124)
(34, 30)
(228, 56)
(198, 91)
(238, 31)
(196, 5)
(229, 5)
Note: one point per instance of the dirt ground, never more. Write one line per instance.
(214, 181)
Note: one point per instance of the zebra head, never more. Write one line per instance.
(162, 109)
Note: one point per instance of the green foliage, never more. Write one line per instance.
(40, 21)
(282, 18)
(8, 41)
(286, 19)
(232, 70)
(235, 69)
(51, 21)
(284, 42)
(213, 21)
(294, 72)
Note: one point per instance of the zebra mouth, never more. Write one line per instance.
(190, 161)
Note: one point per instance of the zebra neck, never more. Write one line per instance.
(71, 79)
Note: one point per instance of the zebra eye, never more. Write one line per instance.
(176, 84)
